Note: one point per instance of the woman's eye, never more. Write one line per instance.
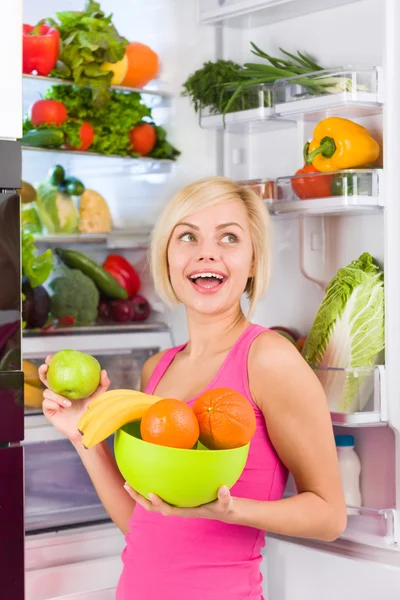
(187, 237)
(229, 238)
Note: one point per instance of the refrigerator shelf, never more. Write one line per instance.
(356, 396)
(245, 14)
(120, 164)
(361, 192)
(348, 92)
(151, 325)
(376, 527)
(118, 238)
(253, 113)
(155, 88)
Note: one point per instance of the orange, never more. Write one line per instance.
(142, 65)
(170, 423)
(226, 419)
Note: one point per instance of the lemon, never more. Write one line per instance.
(119, 69)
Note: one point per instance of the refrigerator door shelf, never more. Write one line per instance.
(378, 527)
(254, 112)
(255, 13)
(356, 396)
(351, 192)
(349, 92)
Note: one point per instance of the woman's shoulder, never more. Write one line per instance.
(272, 355)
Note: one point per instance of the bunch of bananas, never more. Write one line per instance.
(111, 410)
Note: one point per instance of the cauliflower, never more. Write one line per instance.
(75, 295)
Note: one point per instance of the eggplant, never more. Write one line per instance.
(36, 306)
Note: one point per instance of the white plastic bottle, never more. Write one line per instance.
(350, 470)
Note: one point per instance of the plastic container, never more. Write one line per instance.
(184, 478)
(350, 470)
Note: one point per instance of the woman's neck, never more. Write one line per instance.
(210, 335)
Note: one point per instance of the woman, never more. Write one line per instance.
(210, 245)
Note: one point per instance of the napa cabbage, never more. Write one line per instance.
(348, 333)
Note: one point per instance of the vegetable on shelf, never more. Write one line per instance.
(40, 49)
(74, 295)
(136, 309)
(94, 214)
(310, 188)
(43, 138)
(348, 332)
(143, 138)
(35, 306)
(48, 112)
(88, 40)
(35, 267)
(142, 65)
(118, 69)
(141, 308)
(340, 144)
(56, 209)
(105, 130)
(86, 136)
(123, 272)
(105, 282)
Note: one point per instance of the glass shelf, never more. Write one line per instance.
(150, 325)
(356, 396)
(352, 191)
(265, 188)
(107, 162)
(253, 112)
(349, 92)
(124, 238)
(373, 526)
(156, 96)
(377, 527)
(245, 14)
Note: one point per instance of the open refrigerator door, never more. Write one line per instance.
(336, 59)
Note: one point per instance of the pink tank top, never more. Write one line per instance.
(171, 558)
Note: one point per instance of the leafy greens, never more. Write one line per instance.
(88, 39)
(348, 333)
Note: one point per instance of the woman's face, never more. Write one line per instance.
(210, 257)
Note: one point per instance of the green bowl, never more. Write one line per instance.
(184, 478)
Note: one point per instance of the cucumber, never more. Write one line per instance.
(73, 186)
(104, 281)
(43, 138)
(56, 175)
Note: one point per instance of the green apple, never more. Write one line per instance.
(73, 374)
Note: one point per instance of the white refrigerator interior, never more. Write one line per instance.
(311, 242)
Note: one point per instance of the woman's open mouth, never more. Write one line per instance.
(207, 282)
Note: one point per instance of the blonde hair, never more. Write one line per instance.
(197, 196)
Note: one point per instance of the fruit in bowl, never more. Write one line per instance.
(180, 477)
(164, 446)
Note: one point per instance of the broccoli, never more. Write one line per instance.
(75, 295)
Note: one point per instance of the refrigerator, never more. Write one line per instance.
(72, 550)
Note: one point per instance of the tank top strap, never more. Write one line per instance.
(161, 367)
(235, 368)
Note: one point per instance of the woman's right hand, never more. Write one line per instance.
(63, 414)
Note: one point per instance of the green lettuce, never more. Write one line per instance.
(348, 333)
(56, 209)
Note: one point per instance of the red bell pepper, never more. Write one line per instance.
(123, 272)
(309, 188)
(40, 49)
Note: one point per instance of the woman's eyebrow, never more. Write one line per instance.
(182, 224)
(228, 225)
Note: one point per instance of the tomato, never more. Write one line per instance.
(143, 139)
(48, 111)
(86, 135)
(309, 188)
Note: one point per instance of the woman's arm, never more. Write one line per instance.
(103, 471)
(299, 425)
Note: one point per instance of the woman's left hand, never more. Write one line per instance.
(221, 509)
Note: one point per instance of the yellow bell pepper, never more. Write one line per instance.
(340, 144)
